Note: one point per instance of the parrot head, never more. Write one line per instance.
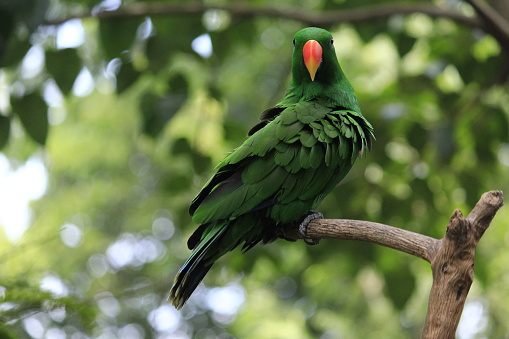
(316, 71)
(314, 57)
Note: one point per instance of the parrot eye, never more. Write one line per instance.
(293, 42)
(332, 41)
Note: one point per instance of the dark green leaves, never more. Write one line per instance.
(126, 76)
(30, 13)
(400, 283)
(117, 35)
(63, 65)
(32, 111)
(13, 51)
(200, 161)
(6, 27)
(170, 37)
(5, 128)
(158, 110)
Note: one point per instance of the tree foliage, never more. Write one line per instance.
(131, 115)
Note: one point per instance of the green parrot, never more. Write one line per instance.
(291, 160)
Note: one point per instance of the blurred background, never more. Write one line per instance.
(113, 115)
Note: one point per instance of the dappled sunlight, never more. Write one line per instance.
(70, 34)
(202, 45)
(450, 80)
(474, 320)
(503, 154)
(35, 325)
(225, 301)
(163, 228)
(71, 235)
(164, 319)
(19, 187)
(97, 265)
(53, 284)
(84, 84)
(134, 251)
(33, 62)
(416, 61)
(216, 19)
(108, 304)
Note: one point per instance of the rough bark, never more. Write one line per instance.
(453, 266)
(399, 239)
(451, 258)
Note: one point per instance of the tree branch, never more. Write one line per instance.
(496, 24)
(451, 258)
(399, 239)
(308, 17)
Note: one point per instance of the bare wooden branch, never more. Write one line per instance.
(451, 258)
(312, 18)
(399, 239)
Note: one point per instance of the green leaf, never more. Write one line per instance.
(201, 162)
(5, 128)
(14, 51)
(215, 92)
(31, 12)
(178, 85)
(235, 37)
(6, 27)
(400, 284)
(404, 43)
(171, 35)
(157, 111)
(181, 146)
(64, 76)
(126, 76)
(117, 35)
(367, 31)
(417, 136)
(33, 113)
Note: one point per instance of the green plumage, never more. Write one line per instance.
(291, 160)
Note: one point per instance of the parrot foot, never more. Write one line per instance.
(303, 227)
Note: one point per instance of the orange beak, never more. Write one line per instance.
(312, 54)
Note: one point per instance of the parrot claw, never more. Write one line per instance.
(303, 227)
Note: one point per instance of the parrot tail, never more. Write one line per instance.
(204, 254)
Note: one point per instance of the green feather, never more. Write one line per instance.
(329, 155)
(330, 129)
(304, 158)
(307, 138)
(316, 156)
(286, 157)
(286, 132)
(258, 169)
(289, 116)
